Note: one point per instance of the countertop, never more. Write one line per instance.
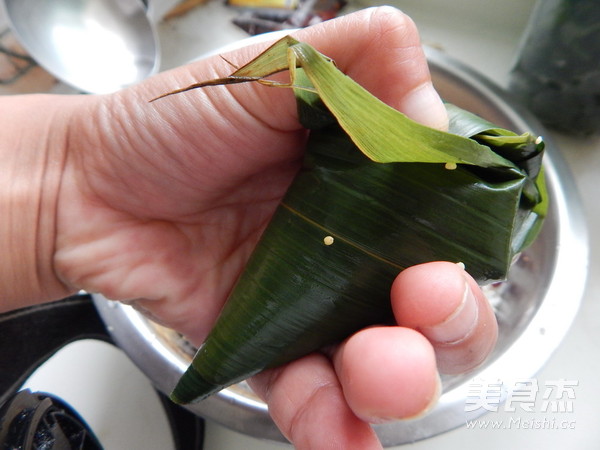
(483, 35)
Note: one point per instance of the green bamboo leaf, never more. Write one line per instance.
(368, 121)
(372, 199)
(274, 59)
(525, 150)
(365, 118)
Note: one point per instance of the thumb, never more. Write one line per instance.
(380, 49)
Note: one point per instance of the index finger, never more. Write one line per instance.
(443, 302)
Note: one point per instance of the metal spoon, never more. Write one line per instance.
(96, 46)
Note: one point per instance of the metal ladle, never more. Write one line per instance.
(96, 46)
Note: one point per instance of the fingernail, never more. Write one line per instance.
(424, 105)
(459, 325)
(433, 401)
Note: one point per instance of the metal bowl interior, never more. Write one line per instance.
(534, 307)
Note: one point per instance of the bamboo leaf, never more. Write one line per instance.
(368, 121)
(373, 198)
(272, 60)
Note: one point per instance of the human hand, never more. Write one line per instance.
(177, 192)
(382, 374)
(161, 204)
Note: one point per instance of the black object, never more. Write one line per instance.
(557, 73)
(29, 336)
(32, 335)
(42, 421)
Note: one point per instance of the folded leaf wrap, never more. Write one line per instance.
(373, 197)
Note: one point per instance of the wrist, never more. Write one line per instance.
(32, 156)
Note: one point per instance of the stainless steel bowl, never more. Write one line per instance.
(535, 307)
